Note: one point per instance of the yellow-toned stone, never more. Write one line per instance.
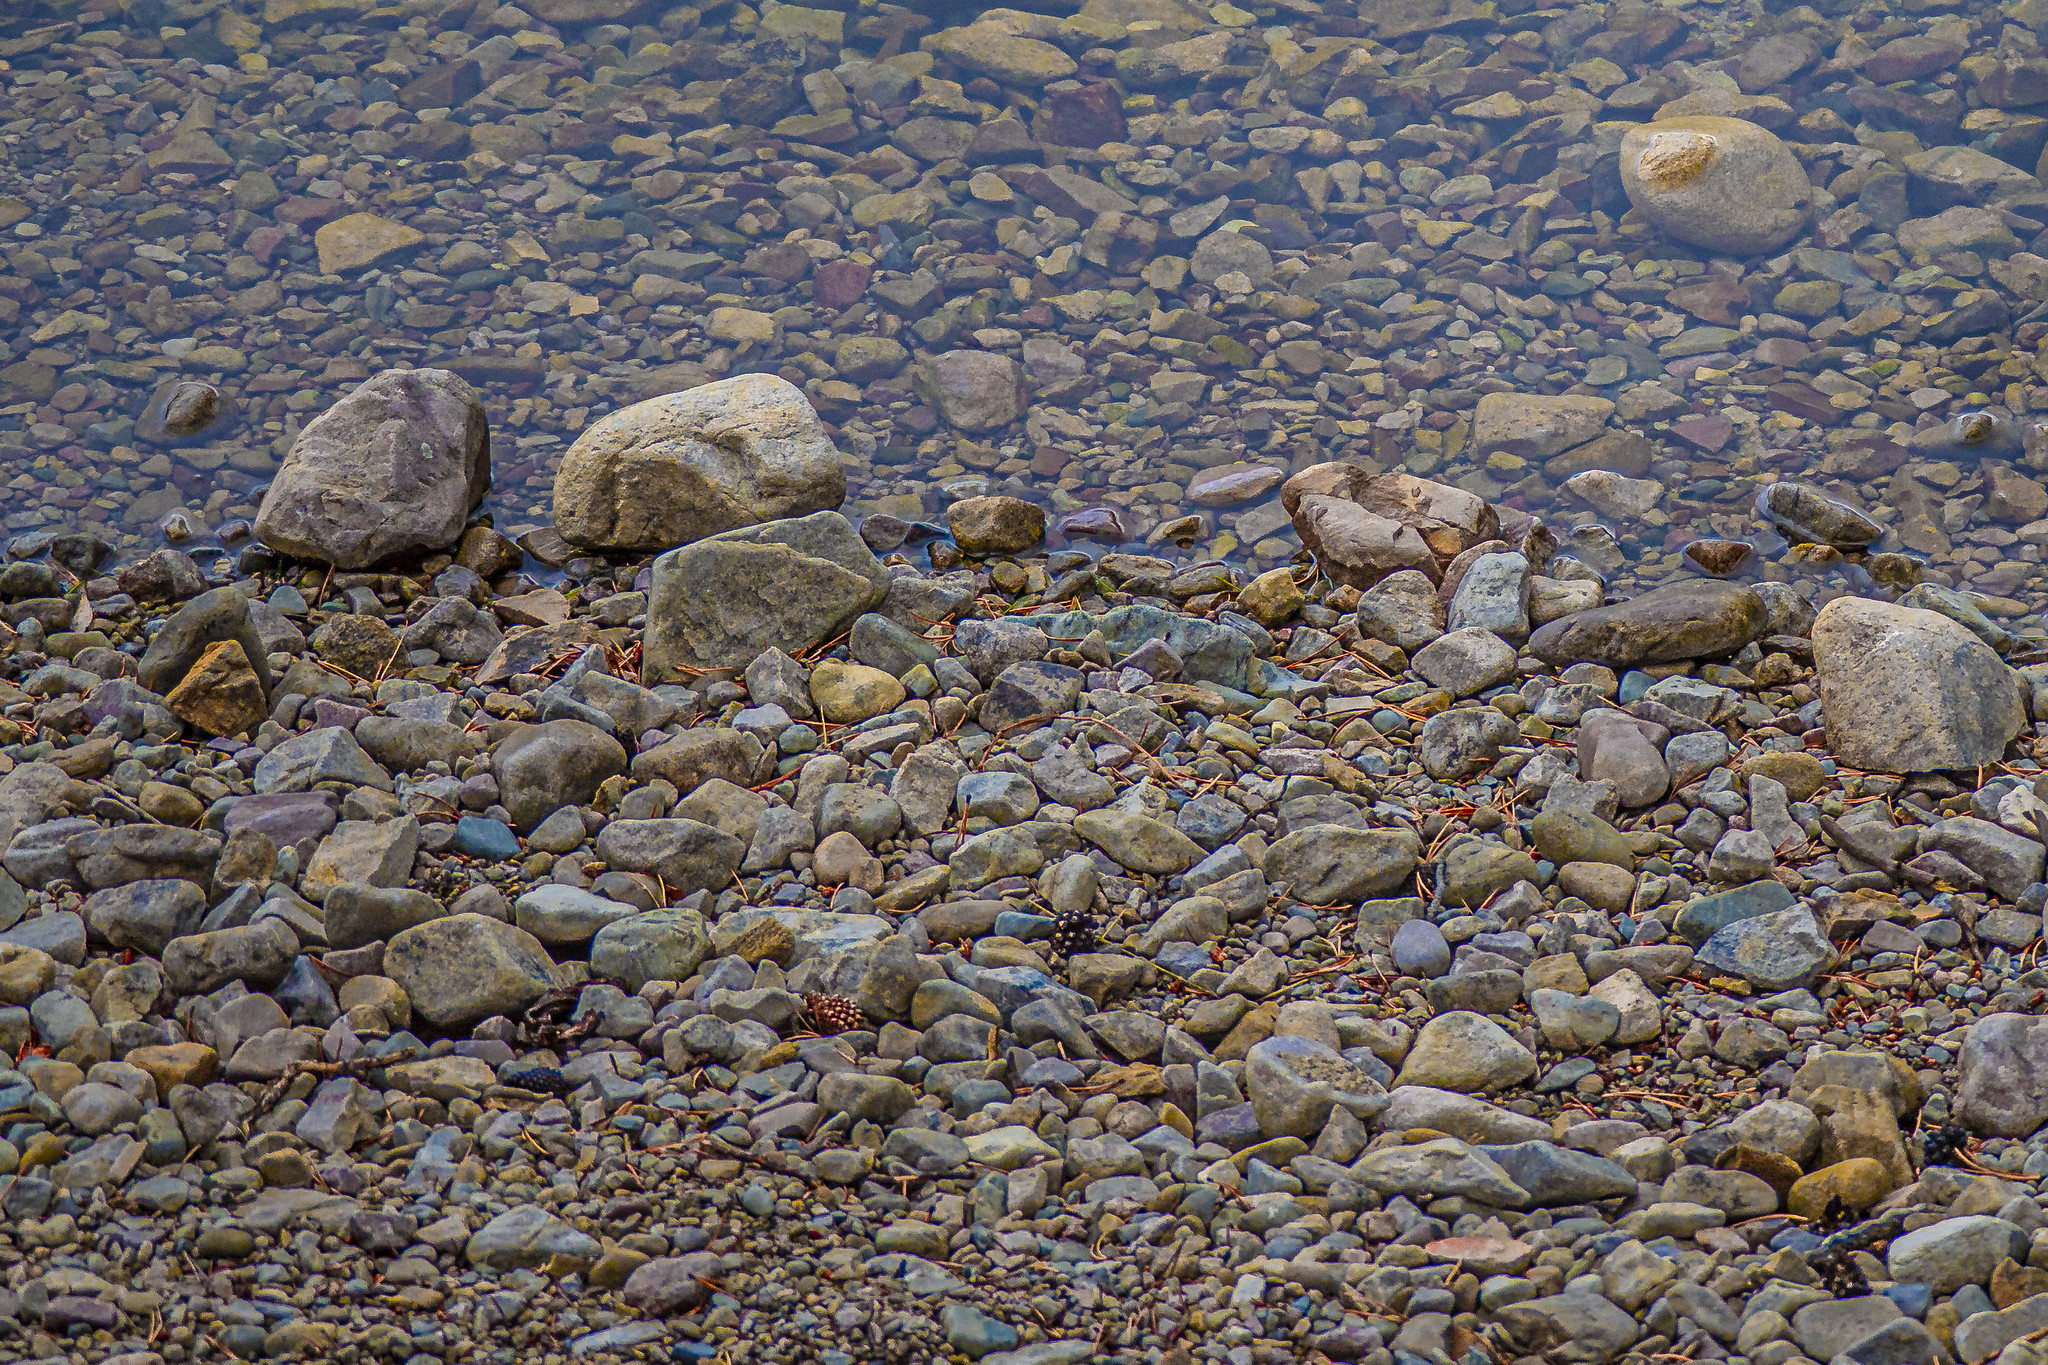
(614, 1266)
(1858, 1182)
(173, 1064)
(221, 694)
(847, 694)
(1272, 597)
(736, 325)
(25, 973)
(237, 31)
(360, 240)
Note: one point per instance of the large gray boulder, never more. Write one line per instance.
(394, 469)
(2003, 1090)
(686, 465)
(1692, 619)
(542, 768)
(1909, 691)
(463, 968)
(720, 603)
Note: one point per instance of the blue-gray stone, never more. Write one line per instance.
(1209, 651)
(491, 840)
(1701, 919)
(1776, 951)
(1023, 924)
(1211, 820)
(1565, 1074)
(1420, 950)
(974, 1333)
(1234, 1128)
(1556, 1176)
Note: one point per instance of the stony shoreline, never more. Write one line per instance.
(1160, 684)
(770, 951)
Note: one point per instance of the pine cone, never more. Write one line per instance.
(833, 1013)
(1073, 934)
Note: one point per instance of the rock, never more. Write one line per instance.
(221, 694)
(719, 603)
(1685, 620)
(1493, 595)
(1029, 691)
(1701, 919)
(1536, 426)
(846, 694)
(463, 968)
(1464, 740)
(364, 853)
(659, 945)
(318, 757)
(359, 645)
(1617, 747)
(1466, 662)
(256, 955)
(1294, 1082)
(564, 916)
(1439, 1168)
(1857, 1182)
(543, 768)
(358, 240)
(1555, 1175)
(1808, 516)
(2001, 1092)
(1907, 690)
(1402, 609)
(356, 914)
(1720, 183)
(391, 470)
(671, 470)
(687, 855)
(1954, 1252)
(1004, 56)
(528, 1238)
(1574, 1023)
(1369, 525)
(1774, 951)
(1595, 1328)
(455, 630)
(1331, 864)
(670, 1286)
(1224, 253)
(208, 619)
(1419, 950)
(995, 525)
(1829, 1328)
(1467, 1053)
(973, 391)
(144, 916)
(1138, 842)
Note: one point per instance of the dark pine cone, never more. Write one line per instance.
(833, 1013)
(543, 1080)
(1073, 934)
(1939, 1147)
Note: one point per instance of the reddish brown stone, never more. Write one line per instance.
(835, 284)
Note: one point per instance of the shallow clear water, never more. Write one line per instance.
(1214, 247)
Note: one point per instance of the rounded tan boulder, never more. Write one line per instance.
(675, 469)
(1721, 183)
